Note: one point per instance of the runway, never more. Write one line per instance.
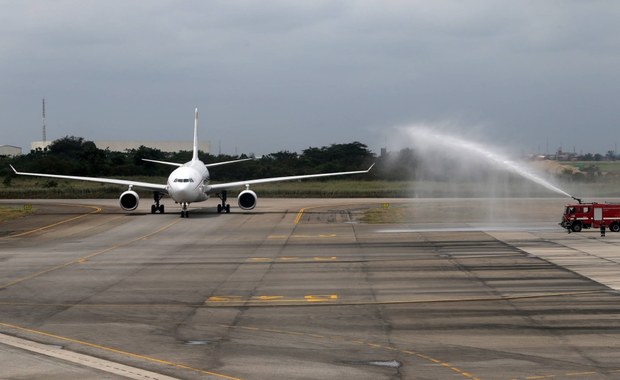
(304, 289)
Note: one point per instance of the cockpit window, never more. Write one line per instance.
(184, 180)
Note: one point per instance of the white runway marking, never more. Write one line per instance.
(81, 359)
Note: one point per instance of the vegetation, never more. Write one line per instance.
(387, 213)
(75, 156)
(12, 212)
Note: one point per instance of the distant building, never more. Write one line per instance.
(164, 146)
(10, 150)
(122, 146)
(35, 145)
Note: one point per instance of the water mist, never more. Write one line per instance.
(438, 146)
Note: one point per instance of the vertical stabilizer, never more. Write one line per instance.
(195, 155)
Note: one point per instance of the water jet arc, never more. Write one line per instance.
(431, 139)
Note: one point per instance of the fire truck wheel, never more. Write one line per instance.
(615, 227)
(576, 227)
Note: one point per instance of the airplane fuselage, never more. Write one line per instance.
(187, 183)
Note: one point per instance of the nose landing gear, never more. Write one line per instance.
(184, 212)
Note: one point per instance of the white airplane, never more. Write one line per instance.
(189, 183)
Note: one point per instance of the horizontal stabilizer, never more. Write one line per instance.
(230, 162)
(163, 162)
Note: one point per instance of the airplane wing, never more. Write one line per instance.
(143, 185)
(216, 188)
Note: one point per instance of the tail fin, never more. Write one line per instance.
(195, 155)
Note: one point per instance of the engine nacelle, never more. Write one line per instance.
(129, 200)
(247, 200)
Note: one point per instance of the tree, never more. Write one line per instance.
(338, 157)
(67, 146)
(611, 155)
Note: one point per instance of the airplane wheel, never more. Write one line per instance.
(153, 209)
(219, 209)
(161, 209)
(228, 209)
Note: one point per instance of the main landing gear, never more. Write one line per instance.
(157, 207)
(223, 206)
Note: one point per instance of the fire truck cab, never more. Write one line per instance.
(591, 215)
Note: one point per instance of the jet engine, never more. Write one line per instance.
(247, 200)
(129, 200)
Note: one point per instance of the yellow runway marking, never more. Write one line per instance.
(269, 298)
(117, 351)
(225, 299)
(260, 259)
(299, 215)
(321, 298)
(298, 236)
(266, 299)
(95, 211)
(85, 258)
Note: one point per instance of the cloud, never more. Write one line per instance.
(295, 74)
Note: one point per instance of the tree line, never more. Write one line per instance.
(76, 156)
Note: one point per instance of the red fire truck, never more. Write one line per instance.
(591, 215)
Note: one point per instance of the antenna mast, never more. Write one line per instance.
(43, 116)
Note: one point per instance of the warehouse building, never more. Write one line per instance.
(10, 150)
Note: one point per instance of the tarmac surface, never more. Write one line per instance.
(304, 289)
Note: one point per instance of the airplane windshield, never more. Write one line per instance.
(183, 180)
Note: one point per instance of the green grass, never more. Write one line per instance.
(13, 212)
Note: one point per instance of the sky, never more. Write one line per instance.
(275, 75)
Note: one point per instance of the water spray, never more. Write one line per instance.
(428, 138)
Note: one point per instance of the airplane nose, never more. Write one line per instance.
(181, 193)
